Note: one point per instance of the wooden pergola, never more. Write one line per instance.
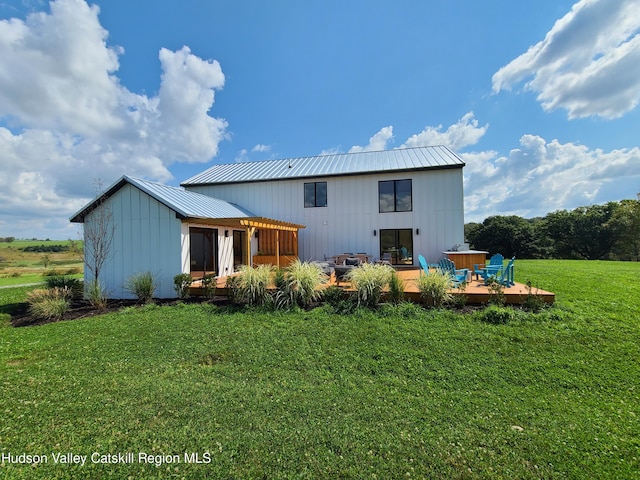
(251, 225)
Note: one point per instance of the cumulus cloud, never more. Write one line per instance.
(587, 64)
(461, 134)
(540, 177)
(66, 120)
(377, 142)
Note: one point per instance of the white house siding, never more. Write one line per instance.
(147, 238)
(351, 215)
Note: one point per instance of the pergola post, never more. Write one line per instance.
(250, 232)
(278, 248)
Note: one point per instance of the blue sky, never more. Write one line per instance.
(539, 98)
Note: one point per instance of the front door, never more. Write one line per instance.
(399, 244)
(203, 250)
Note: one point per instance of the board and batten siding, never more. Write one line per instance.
(347, 223)
(147, 237)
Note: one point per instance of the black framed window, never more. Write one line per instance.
(398, 243)
(395, 196)
(203, 250)
(315, 194)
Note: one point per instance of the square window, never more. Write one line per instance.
(315, 194)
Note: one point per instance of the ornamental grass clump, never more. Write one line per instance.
(434, 288)
(396, 288)
(369, 282)
(299, 285)
(63, 281)
(50, 304)
(142, 285)
(253, 284)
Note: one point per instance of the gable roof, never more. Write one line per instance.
(186, 204)
(406, 159)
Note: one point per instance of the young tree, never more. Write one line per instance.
(98, 235)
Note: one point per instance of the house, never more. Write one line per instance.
(397, 202)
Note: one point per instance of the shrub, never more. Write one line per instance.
(338, 300)
(253, 284)
(50, 304)
(533, 302)
(299, 284)
(142, 285)
(209, 285)
(434, 288)
(61, 281)
(233, 288)
(396, 288)
(96, 295)
(497, 315)
(73, 271)
(496, 292)
(181, 284)
(369, 281)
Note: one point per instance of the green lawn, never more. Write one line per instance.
(403, 393)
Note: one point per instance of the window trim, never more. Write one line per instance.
(395, 195)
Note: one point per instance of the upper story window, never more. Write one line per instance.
(395, 196)
(315, 194)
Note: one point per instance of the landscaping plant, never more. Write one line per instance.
(49, 304)
(181, 283)
(96, 295)
(300, 284)
(253, 284)
(434, 288)
(369, 281)
(209, 285)
(396, 288)
(62, 281)
(142, 285)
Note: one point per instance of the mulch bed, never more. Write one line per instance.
(78, 309)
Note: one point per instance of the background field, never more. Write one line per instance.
(18, 267)
(403, 392)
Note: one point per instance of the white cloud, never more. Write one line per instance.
(66, 120)
(378, 142)
(588, 63)
(541, 177)
(461, 134)
(261, 148)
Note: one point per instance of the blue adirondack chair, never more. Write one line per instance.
(423, 265)
(447, 267)
(502, 275)
(495, 261)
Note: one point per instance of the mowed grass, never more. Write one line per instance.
(403, 392)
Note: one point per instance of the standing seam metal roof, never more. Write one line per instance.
(418, 158)
(185, 203)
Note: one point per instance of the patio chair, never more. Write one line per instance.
(447, 267)
(352, 262)
(502, 275)
(494, 262)
(385, 259)
(341, 272)
(424, 267)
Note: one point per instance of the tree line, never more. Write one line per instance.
(598, 232)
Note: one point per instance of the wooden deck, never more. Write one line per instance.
(476, 291)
